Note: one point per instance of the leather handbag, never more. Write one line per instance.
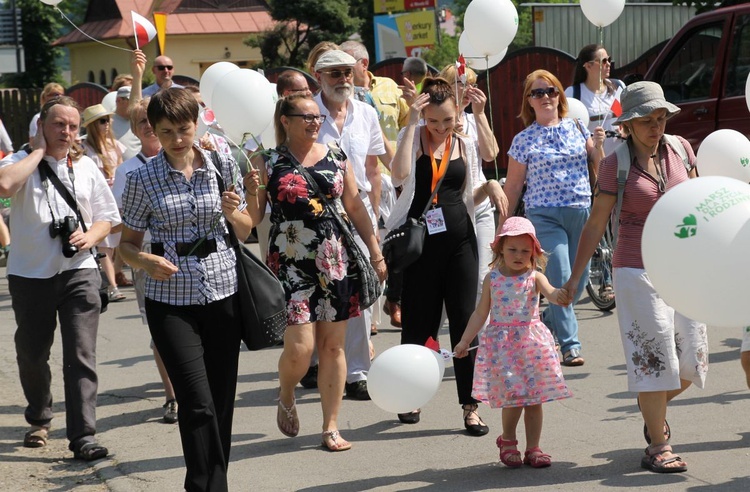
(262, 299)
(370, 286)
(403, 245)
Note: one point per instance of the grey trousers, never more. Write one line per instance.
(73, 296)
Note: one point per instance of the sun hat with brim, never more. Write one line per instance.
(93, 113)
(334, 58)
(641, 99)
(518, 226)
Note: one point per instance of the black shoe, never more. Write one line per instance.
(410, 418)
(310, 380)
(470, 413)
(357, 390)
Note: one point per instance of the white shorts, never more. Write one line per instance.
(745, 339)
(661, 345)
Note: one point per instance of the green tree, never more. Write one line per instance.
(40, 27)
(301, 24)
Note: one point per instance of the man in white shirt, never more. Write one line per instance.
(52, 272)
(121, 124)
(354, 126)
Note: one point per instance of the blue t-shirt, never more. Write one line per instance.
(556, 161)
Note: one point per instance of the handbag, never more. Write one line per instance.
(403, 245)
(261, 296)
(370, 287)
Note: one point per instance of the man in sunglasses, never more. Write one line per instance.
(354, 126)
(163, 69)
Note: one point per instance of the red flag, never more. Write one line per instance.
(616, 108)
(461, 68)
(432, 344)
(144, 30)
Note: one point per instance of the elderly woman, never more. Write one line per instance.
(554, 156)
(307, 251)
(191, 290)
(675, 347)
(446, 272)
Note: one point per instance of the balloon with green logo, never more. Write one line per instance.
(695, 244)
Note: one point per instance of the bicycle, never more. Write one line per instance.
(600, 274)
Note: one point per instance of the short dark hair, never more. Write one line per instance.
(174, 105)
(286, 80)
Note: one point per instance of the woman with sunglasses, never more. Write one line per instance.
(446, 272)
(106, 151)
(554, 156)
(306, 252)
(593, 87)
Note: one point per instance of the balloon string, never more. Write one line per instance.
(468, 350)
(92, 39)
(489, 99)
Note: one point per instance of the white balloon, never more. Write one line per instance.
(110, 101)
(211, 76)
(403, 378)
(725, 153)
(51, 2)
(243, 101)
(747, 92)
(602, 12)
(576, 109)
(491, 25)
(474, 58)
(696, 238)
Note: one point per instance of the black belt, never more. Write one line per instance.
(202, 250)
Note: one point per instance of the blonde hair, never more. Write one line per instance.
(50, 88)
(527, 112)
(103, 144)
(449, 73)
(122, 80)
(538, 260)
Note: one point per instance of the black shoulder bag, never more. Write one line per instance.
(262, 299)
(46, 173)
(403, 245)
(370, 287)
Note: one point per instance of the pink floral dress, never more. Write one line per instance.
(305, 248)
(517, 364)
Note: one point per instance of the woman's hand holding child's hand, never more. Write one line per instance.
(562, 296)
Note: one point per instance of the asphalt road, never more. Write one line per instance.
(594, 438)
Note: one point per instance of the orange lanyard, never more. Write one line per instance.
(437, 172)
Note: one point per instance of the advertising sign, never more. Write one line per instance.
(407, 34)
(386, 6)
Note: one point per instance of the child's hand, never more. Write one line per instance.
(563, 296)
(461, 349)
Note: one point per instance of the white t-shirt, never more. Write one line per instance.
(599, 112)
(361, 136)
(124, 135)
(37, 255)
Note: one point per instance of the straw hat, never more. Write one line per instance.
(93, 113)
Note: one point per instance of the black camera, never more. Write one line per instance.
(64, 228)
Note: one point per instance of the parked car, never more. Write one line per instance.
(703, 69)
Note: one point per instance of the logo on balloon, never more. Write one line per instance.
(744, 161)
(688, 228)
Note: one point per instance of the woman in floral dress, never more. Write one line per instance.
(308, 255)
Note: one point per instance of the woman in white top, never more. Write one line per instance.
(593, 87)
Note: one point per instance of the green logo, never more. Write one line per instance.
(744, 161)
(688, 228)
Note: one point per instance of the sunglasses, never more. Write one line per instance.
(309, 118)
(608, 61)
(103, 121)
(164, 67)
(336, 74)
(540, 93)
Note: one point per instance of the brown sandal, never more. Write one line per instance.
(333, 441)
(36, 437)
(289, 417)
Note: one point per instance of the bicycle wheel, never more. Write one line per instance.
(600, 275)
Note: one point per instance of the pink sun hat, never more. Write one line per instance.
(518, 226)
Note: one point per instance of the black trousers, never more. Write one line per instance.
(445, 273)
(200, 349)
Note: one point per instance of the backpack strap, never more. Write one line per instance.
(623, 169)
(577, 91)
(679, 148)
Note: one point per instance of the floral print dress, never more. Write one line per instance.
(517, 364)
(305, 248)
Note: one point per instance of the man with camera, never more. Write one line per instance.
(62, 208)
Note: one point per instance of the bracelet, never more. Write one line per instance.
(378, 260)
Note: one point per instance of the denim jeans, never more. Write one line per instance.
(559, 230)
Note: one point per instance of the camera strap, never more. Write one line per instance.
(47, 174)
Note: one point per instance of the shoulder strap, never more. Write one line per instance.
(47, 173)
(677, 146)
(220, 181)
(577, 91)
(623, 169)
(437, 186)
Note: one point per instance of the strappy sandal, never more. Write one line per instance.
(646, 436)
(470, 413)
(572, 358)
(656, 462)
(607, 293)
(333, 441)
(36, 437)
(536, 458)
(90, 451)
(287, 417)
(506, 454)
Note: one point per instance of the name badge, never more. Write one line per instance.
(435, 221)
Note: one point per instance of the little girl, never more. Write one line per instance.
(517, 366)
